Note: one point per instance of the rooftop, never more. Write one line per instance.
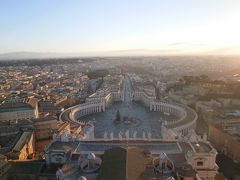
(114, 159)
(26, 167)
(185, 147)
(201, 147)
(2, 157)
(49, 118)
(11, 107)
(63, 146)
(128, 163)
(22, 140)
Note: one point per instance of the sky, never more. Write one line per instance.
(101, 26)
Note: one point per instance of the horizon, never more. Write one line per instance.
(107, 28)
(22, 56)
(125, 89)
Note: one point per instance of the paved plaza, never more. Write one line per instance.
(143, 120)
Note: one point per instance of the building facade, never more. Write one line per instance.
(19, 110)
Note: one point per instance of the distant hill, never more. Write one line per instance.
(33, 55)
(39, 55)
(131, 52)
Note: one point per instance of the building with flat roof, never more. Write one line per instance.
(44, 128)
(24, 148)
(135, 160)
(15, 110)
(21, 147)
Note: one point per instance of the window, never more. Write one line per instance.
(199, 163)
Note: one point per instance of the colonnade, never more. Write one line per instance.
(168, 108)
(143, 97)
(86, 109)
(94, 105)
(187, 117)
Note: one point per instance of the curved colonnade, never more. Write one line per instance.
(91, 106)
(73, 114)
(187, 117)
(86, 109)
(186, 121)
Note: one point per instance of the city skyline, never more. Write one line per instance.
(123, 90)
(121, 28)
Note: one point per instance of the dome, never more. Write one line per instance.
(91, 156)
(90, 163)
(64, 137)
(82, 178)
(59, 173)
(163, 156)
(163, 164)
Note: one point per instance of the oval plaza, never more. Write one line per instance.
(153, 139)
(146, 117)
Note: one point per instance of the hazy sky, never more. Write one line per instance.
(172, 26)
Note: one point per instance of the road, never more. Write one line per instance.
(127, 90)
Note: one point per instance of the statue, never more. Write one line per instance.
(105, 135)
(135, 135)
(120, 135)
(144, 135)
(111, 135)
(149, 135)
(127, 134)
